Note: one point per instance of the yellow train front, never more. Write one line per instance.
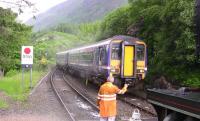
(123, 56)
(128, 60)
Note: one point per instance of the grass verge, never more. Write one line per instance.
(12, 85)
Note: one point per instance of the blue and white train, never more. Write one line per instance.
(123, 56)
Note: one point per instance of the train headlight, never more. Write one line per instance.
(145, 68)
(112, 70)
(141, 71)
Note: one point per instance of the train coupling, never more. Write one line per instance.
(130, 82)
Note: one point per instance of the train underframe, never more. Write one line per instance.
(99, 79)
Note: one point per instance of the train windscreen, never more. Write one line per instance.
(116, 51)
(140, 52)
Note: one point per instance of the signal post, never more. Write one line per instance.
(26, 62)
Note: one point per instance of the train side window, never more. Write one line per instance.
(70, 58)
(86, 58)
(100, 56)
(97, 56)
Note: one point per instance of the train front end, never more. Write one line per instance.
(128, 61)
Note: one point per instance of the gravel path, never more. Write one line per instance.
(41, 105)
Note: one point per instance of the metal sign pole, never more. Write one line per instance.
(22, 83)
(27, 62)
(31, 78)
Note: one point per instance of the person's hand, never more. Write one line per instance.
(126, 85)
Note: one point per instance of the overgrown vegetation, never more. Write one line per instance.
(115, 23)
(12, 36)
(48, 44)
(86, 31)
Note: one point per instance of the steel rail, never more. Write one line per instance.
(59, 97)
(82, 95)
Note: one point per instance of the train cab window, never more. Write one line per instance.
(140, 52)
(116, 51)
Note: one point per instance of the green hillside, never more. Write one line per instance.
(47, 44)
(75, 11)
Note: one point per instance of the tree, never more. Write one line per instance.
(19, 5)
(12, 36)
(114, 23)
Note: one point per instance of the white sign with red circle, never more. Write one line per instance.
(27, 55)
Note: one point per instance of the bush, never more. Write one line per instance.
(11, 73)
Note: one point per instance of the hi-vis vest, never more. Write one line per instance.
(107, 96)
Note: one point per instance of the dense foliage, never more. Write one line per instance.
(46, 44)
(85, 31)
(168, 29)
(12, 36)
(115, 23)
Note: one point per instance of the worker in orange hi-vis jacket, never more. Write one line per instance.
(107, 99)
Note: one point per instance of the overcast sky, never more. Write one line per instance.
(41, 6)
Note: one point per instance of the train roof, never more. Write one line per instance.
(103, 42)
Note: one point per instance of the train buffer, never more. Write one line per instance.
(184, 102)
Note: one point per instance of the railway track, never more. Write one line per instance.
(59, 97)
(60, 86)
(82, 93)
(132, 102)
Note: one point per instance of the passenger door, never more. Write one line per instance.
(98, 59)
(128, 61)
(103, 61)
